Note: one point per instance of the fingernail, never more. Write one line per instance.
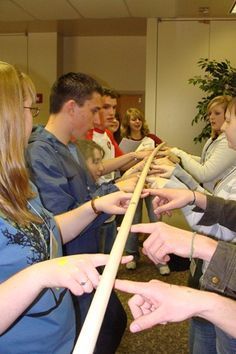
(135, 328)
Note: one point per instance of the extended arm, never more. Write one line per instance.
(221, 158)
(19, 291)
(169, 199)
(159, 303)
(118, 162)
(165, 239)
(74, 221)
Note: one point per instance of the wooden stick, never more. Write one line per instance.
(92, 324)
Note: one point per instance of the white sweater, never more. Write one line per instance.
(217, 159)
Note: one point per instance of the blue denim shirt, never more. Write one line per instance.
(64, 184)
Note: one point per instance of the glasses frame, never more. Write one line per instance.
(34, 111)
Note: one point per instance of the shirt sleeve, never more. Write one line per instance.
(220, 275)
(52, 183)
(156, 139)
(222, 158)
(221, 211)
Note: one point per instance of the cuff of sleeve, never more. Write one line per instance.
(212, 212)
(175, 151)
(220, 274)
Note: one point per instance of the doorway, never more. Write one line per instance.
(126, 101)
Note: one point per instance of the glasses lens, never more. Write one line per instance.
(34, 111)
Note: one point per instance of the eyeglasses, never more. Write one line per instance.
(34, 111)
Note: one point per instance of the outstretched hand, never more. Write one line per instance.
(114, 203)
(164, 240)
(167, 200)
(78, 273)
(158, 303)
(165, 171)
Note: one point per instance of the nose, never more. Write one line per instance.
(100, 167)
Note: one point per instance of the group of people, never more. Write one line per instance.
(58, 202)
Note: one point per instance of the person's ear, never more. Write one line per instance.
(70, 107)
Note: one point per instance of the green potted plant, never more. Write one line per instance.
(219, 79)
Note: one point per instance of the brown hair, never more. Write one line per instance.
(87, 148)
(15, 189)
(125, 127)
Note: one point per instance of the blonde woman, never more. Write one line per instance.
(134, 127)
(216, 158)
(37, 313)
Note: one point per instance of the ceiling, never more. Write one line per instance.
(87, 17)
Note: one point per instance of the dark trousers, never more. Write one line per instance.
(113, 325)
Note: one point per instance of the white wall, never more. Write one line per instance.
(222, 41)
(116, 61)
(42, 61)
(121, 62)
(180, 45)
(35, 54)
(13, 50)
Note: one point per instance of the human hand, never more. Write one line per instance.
(128, 184)
(162, 161)
(77, 273)
(168, 199)
(115, 203)
(134, 169)
(157, 302)
(168, 153)
(141, 154)
(163, 240)
(164, 171)
(156, 181)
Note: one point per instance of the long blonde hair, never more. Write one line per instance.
(216, 101)
(125, 126)
(15, 188)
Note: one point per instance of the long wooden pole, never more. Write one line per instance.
(92, 324)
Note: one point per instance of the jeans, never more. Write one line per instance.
(205, 338)
(132, 244)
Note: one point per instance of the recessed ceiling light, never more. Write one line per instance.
(233, 9)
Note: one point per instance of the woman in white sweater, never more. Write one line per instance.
(217, 158)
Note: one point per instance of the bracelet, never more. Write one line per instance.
(94, 207)
(194, 199)
(192, 246)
